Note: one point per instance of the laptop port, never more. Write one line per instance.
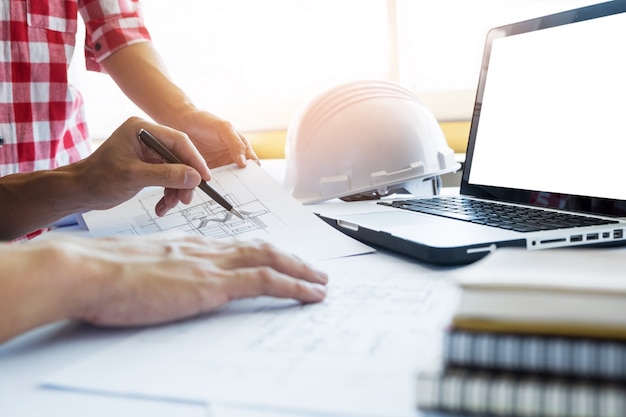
(549, 241)
(618, 234)
(606, 235)
(592, 236)
(576, 238)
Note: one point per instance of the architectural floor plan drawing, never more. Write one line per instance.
(355, 354)
(270, 213)
(203, 217)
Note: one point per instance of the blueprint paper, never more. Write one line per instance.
(270, 213)
(355, 354)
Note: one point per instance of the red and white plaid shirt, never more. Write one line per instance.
(42, 122)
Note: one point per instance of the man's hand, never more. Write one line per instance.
(126, 281)
(122, 166)
(217, 140)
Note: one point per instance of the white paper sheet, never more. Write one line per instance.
(270, 214)
(357, 353)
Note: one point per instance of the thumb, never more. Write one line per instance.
(176, 176)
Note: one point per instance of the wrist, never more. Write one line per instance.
(36, 199)
(73, 266)
(36, 293)
(182, 117)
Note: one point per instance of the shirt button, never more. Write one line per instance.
(98, 46)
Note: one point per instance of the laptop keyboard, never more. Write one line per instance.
(504, 216)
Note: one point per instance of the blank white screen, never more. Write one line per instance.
(553, 110)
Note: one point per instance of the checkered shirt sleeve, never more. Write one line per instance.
(42, 121)
(111, 25)
(41, 118)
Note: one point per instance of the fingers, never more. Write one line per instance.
(171, 198)
(253, 282)
(238, 145)
(249, 269)
(130, 165)
(258, 268)
(257, 253)
(176, 176)
(167, 277)
(249, 153)
(180, 144)
(163, 206)
(233, 254)
(185, 196)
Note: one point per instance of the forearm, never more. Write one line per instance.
(34, 286)
(138, 70)
(33, 200)
(141, 280)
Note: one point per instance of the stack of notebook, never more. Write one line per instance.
(535, 334)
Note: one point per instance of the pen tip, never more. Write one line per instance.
(236, 213)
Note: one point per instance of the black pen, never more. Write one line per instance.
(153, 143)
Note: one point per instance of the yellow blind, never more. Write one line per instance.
(271, 144)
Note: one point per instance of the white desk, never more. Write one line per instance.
(28, 358)
(25, 360)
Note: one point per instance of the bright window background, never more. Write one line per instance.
(255, 62)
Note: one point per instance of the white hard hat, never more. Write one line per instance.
(362, 138)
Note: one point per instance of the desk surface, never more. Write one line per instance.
(25, 360)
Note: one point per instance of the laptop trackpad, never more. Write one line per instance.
(426, 229)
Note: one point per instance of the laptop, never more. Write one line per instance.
(547, 136)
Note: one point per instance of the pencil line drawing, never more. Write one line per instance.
(203, 217)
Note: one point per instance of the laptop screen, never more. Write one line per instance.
(548, 119)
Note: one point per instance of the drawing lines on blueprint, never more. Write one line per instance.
(204, 217)
(270, 214)
(380, 325)
(356, 353)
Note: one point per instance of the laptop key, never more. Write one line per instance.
(504, 216)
